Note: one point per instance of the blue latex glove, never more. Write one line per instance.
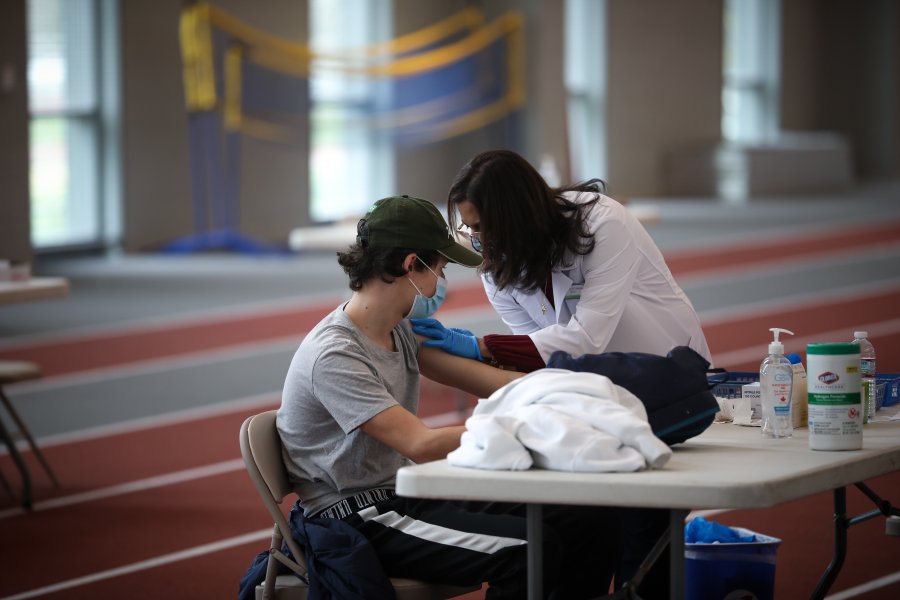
(460, 342)
(701, 531)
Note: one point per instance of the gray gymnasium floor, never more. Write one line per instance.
(124, 289)
(134, 291)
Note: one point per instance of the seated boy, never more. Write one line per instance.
(348, 422)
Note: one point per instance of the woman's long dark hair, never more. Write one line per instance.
(526, 226)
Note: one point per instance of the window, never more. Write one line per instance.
(751, 71)
(585, 80)
(350, 162)
(68, 102)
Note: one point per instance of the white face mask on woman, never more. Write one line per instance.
(423, 306)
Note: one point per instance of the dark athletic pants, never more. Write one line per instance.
(471, 542)
(641, 528)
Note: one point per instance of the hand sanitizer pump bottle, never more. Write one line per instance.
(775, 382)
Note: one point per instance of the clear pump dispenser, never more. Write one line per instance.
(775, 386)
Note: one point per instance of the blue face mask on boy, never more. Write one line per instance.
(423, 306)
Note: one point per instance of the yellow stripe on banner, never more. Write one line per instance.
(256, 37)
(234, 57)
(196, 52)
(516, 66)
(428, 111)
(276, 61)
(468, 18)
(440, 57)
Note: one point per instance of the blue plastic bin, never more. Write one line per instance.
(888, 389)
(887, 386)
(742, 570)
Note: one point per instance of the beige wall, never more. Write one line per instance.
(664, 86)
(799, 79)
(841, 72)
(14, 214)
(155, 171)
(840, 66)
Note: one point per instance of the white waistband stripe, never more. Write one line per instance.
(479, 542)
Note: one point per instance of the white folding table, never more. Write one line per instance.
(35, 288)
(728, 466)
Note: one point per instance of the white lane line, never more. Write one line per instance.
(176, 477)
(783, 264)
(803, 300)
(258, 401)
(323, 303)
(875, 329)
(130, 487)
(239, 540)
(171, 362)
(199, 317)
(453, 316)
(864, 588)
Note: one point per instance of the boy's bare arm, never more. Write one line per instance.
(408, 435)
(475, 377)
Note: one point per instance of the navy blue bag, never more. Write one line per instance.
(675, 388)
(342, 565)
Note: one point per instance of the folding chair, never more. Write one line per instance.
(261, 450)
(12, 372)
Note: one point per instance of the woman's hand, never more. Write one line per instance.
(460, 342)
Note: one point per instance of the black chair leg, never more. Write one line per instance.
(25, 432)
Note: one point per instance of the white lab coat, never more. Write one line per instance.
(621, 297)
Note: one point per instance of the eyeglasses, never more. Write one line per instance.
(474, 237)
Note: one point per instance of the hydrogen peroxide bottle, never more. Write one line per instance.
(866, 374)
(776, 378)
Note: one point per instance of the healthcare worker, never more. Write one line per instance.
(566, 269)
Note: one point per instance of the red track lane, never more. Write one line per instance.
(124, 529)
(773, 249)
(114, 532)
(121, 530)
(211, 576)
(808, 321)
(95, 464)
(127, 529)
(87, 352)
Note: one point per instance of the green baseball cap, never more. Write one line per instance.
(406, 222)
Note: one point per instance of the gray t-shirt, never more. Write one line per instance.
(338, 380)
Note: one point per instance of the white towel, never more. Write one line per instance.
(565, 420)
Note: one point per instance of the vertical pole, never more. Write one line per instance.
(840, 544)
(535, 552)
(676, 553)
(20, 465)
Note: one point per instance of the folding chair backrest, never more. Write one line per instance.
(265, 448)
(261, 450)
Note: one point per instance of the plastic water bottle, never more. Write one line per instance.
(866, 373)
(776, 378)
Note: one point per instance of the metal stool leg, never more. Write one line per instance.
(24, 430)
(20, 464)
(7, 487)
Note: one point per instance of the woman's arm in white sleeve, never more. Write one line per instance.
(610, 271)
(514, 316)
